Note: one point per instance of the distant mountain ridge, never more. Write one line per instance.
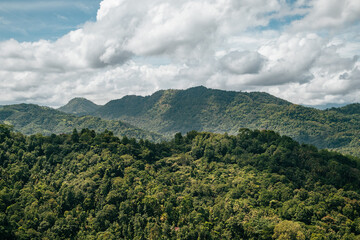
(79, 107)
(31, 119)
(169, 111)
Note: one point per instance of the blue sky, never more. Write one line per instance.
(32, 20)
(304, 51)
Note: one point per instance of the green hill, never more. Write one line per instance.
(31, 119)
(197, 108)
(348, 109)
(202, 109)
(79, 107)
(256, 185)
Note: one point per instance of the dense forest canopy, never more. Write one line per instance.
(255, 185)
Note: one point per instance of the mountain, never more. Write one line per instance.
(31, 119)
(198, 108)
(348, 109)
(327, 106)
(256, 185)
(79, 107)
(202, 109)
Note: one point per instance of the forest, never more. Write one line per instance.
(163, 114)
(200, 185)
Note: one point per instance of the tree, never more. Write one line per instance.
(288, 230)
(75, 136)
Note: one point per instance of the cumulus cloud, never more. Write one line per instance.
(226, 44)
(330, 14)
(244, 62)
(168, 29)
(127, 28)
(284, 60)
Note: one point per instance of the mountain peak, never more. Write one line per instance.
(201, 87)
(79, 106)
(80, 100)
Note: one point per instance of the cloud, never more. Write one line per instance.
(38, 5)
(244, 62)
(330, 14)
(289, 59)
(183, 30)
(172, 30)
(345, 83)
(226, 44)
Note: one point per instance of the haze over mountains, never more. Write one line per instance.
(167, 112)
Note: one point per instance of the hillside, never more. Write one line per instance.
(256, 185)
(348, 109)
(79, 107)
(197, 108)
(31, 119)
(202, 109)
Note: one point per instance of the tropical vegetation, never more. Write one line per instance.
(253, 185)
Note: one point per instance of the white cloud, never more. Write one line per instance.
(167, 29)
(217, 43)
(243, 62)
(330, 14)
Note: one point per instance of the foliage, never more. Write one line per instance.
(255, 185)
(202, 109)
(348, 109)
(31, 119)
(288, 230)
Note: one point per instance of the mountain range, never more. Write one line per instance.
(167, 112)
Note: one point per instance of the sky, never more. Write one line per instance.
(304, 51)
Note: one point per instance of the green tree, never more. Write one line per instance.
(288, 230)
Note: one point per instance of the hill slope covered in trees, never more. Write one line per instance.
(202, 109)
(79, 107)
(348, 109)
(256, 185)
(32, 119)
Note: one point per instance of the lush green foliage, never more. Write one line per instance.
(348, 109)
(256, 185)
(202, 109)
(79, 107)
(31, 119)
